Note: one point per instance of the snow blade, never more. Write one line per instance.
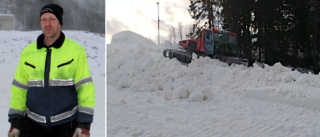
(181, 55)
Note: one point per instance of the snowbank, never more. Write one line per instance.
(137, 63)
(149, 95)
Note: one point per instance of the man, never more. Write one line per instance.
(52, 94)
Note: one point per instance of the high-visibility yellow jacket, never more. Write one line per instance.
(52, 84)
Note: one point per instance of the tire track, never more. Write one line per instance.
(143, 114)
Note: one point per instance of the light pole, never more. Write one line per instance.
(158, 25)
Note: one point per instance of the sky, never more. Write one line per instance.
(141, 16)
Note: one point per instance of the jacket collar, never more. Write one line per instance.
(57, 44)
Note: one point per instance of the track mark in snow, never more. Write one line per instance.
(311, 103)
(227, 116)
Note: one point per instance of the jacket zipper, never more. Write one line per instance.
(65, 63)
(46, 84)
(28, 64)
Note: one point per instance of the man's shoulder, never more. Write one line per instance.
(30, 47)
(73, 44)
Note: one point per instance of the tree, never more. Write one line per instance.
(180, 27)
(172, 34)
(283, 31)
(203, 13)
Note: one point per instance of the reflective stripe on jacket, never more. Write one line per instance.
(53, 85)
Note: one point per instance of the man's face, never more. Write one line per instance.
(50, 25)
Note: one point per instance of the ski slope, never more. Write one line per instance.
(152, 96)
(13, 42)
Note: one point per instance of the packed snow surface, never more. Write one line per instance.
(149, 95)
(13, 42)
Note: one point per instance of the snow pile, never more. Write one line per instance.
(149, 95)
(126, 37)
(13, 42)
(136, 63)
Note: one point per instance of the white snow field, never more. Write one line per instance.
(13, 42)
(152, 96)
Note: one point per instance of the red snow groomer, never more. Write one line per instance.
(214, 43)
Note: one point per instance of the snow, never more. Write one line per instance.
(12, 43)
(149, 95)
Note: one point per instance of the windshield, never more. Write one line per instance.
(225, 44)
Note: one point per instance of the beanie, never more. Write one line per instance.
(54, 9)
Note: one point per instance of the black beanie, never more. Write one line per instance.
(54, 9)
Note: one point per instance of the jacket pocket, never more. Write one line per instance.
(28, 64)
(67, 63)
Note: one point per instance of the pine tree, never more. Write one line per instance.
(203, 13)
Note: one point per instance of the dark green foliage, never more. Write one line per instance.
(271, 31)
(202, 11)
